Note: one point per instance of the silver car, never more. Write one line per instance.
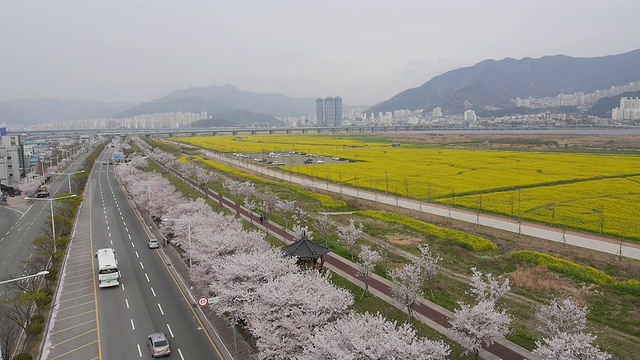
(158, 344)
(153, 243)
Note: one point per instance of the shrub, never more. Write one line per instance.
(631, 287)
(464, 240)
(37, 318)
(23, 356)
(35, 329)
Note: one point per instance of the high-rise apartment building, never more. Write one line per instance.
(329, 111)
(12, 167)
(629, 109)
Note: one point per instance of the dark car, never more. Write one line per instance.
(42, 192)
(158, 344)
(308, 161)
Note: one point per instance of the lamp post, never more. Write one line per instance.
(69, 176)
(53, 224)
(45, 272)
(188, 238)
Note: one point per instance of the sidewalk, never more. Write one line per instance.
(429, 313)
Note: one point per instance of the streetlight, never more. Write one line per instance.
(53, 224)
(188, 237)
(69, 176)
(45, 272)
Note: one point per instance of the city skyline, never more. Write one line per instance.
(134, 51)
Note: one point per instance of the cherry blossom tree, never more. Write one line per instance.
(482, 324)
(349, 235)
(300, 217)
(289, 308)
(368, 259)
(30, 185)
(139, 162)
(269, 203)
(563, 326)
(236, 278)
(323, 228)
(567, 317)
(408, 285)
(300, 231)
(428, 265)
(383, 250)
(370, 337)
(286, 207)
(570, 346)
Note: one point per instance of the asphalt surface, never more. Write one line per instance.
(20, 223)
(113, 323)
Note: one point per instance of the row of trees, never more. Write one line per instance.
(248, 266)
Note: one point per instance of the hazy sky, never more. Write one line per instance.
(363, 50)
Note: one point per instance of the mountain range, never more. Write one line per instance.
(487, 87)
(491, 84)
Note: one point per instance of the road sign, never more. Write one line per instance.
(203, 301)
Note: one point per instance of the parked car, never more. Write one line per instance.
(158, 344)
(308, 161)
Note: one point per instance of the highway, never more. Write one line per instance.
(148, 300)
(116, 321)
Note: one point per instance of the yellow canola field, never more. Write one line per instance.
(572, 190)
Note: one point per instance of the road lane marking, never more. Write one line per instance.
(142, 266)
(139, 351)
(126, 302)
(122, 286)
(145, 275)
(133, 245)
(154, 293)
(170, 331)
(161, 311)
(132, 326)
(138, 256)
(74, 326)
(180, 353)
(79, 348)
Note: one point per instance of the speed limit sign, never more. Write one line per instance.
(203, 301)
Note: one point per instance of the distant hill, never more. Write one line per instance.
(603, 107)
(491, 84)
(38, 111)
(237, 118)
(224, 99)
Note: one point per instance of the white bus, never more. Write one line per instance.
(108, 273)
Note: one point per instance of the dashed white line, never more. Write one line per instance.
(139, 351)
(138, 256)
(142, 266)
(153, 292)
(145, 275)
(122, 286)
(133, 245)
(132, 326)
(180, 353)
(160, 307)
(170, 331)
(126, 302)
(111, 241)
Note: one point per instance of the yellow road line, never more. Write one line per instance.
(76, 290)
(71, 327)
(75, 306)
(75, 298)
(76, 349)
(75, 337)
(72, 316)
(93, 271)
